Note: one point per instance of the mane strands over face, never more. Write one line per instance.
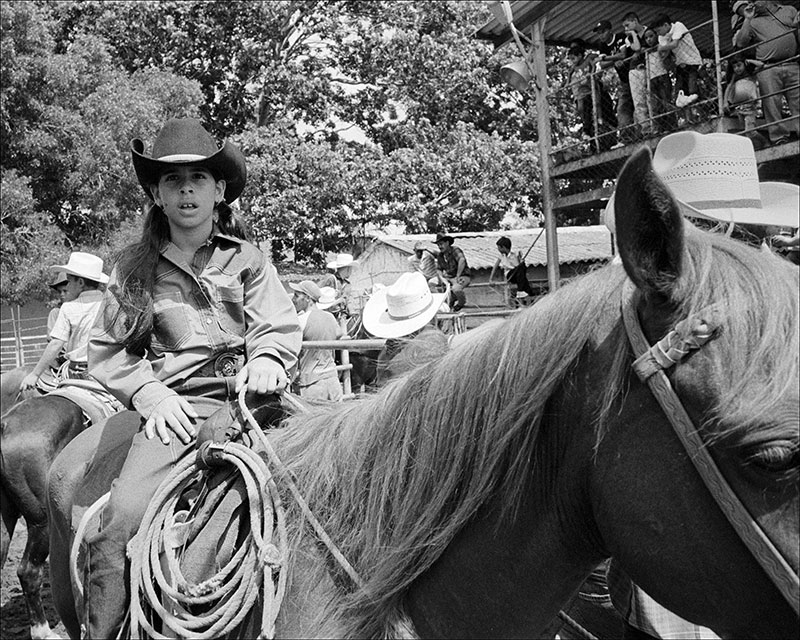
(755, 359)
(394, 477)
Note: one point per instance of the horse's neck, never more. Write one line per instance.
(309, 591)
(513, 578)
(499, 583)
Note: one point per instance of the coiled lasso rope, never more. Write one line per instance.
(228, 596)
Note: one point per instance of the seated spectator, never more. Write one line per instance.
(424, 260)
(664, 119)
(452, 268)
(741, 92)
(675, 37)
(513, 265)
(580, 79)
(637, 75)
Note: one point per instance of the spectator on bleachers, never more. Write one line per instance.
(664, 120)
(741, 92)
(613, 53)
(675, 37)
(772, 28)
(634, 43)
(580, 79)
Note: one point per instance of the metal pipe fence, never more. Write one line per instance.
(713, 79)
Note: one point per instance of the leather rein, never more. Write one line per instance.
(650, 366)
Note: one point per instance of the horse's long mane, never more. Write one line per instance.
(394, 477)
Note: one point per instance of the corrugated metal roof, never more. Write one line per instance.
(570, 19)
(575, 244)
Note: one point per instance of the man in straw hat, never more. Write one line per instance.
(403, 313)
(340, 278)
(329, 301)
(317, 378)
(714, 177)
(84, 277)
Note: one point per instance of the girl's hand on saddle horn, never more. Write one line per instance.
(174, 414)
(262, 375)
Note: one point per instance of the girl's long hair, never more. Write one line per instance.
(131, 318)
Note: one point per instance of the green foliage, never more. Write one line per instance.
(443, 143)
(29, 242)
(313, 197)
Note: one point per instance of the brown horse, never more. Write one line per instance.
(474, 494)
(10, 383)
(32, 433)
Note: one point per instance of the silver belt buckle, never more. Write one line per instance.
(225, 366)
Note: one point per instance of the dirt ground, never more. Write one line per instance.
(13, 613)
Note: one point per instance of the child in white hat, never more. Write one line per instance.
(83, 297)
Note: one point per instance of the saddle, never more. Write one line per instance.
(205, 530)
(96, 403)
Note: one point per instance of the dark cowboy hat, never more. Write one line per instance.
(184, 141)
(443, 236)
(59, 280)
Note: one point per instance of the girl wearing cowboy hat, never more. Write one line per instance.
(193, 314)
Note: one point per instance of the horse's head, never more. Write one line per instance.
(740, 390)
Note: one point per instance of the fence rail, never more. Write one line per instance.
(23, 350)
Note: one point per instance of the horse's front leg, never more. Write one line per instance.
(31, 576)
(10, 515)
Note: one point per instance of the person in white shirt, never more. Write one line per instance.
(676, 38)
(513, 264)
(71, 330)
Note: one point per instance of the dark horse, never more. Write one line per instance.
(475, 494)
(32, 433)
(10, 392)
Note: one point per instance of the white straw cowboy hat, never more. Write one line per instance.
(184, 141)
(327, 298)
(84, 265)
(714, 176)
(342, 260)
(311, 289)
(401, 308)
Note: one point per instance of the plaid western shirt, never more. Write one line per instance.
(228, 299)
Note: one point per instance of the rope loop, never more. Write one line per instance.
(226, 598)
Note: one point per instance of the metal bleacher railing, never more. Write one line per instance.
(702, 114)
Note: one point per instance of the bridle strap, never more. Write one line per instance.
(286, 477)
(649, 366)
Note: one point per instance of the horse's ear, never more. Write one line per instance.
(649, 226)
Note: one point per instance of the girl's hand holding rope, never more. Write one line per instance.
(262, 375)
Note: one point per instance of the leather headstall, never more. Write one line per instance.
(650, 365)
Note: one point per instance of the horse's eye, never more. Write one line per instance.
(775, 457)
